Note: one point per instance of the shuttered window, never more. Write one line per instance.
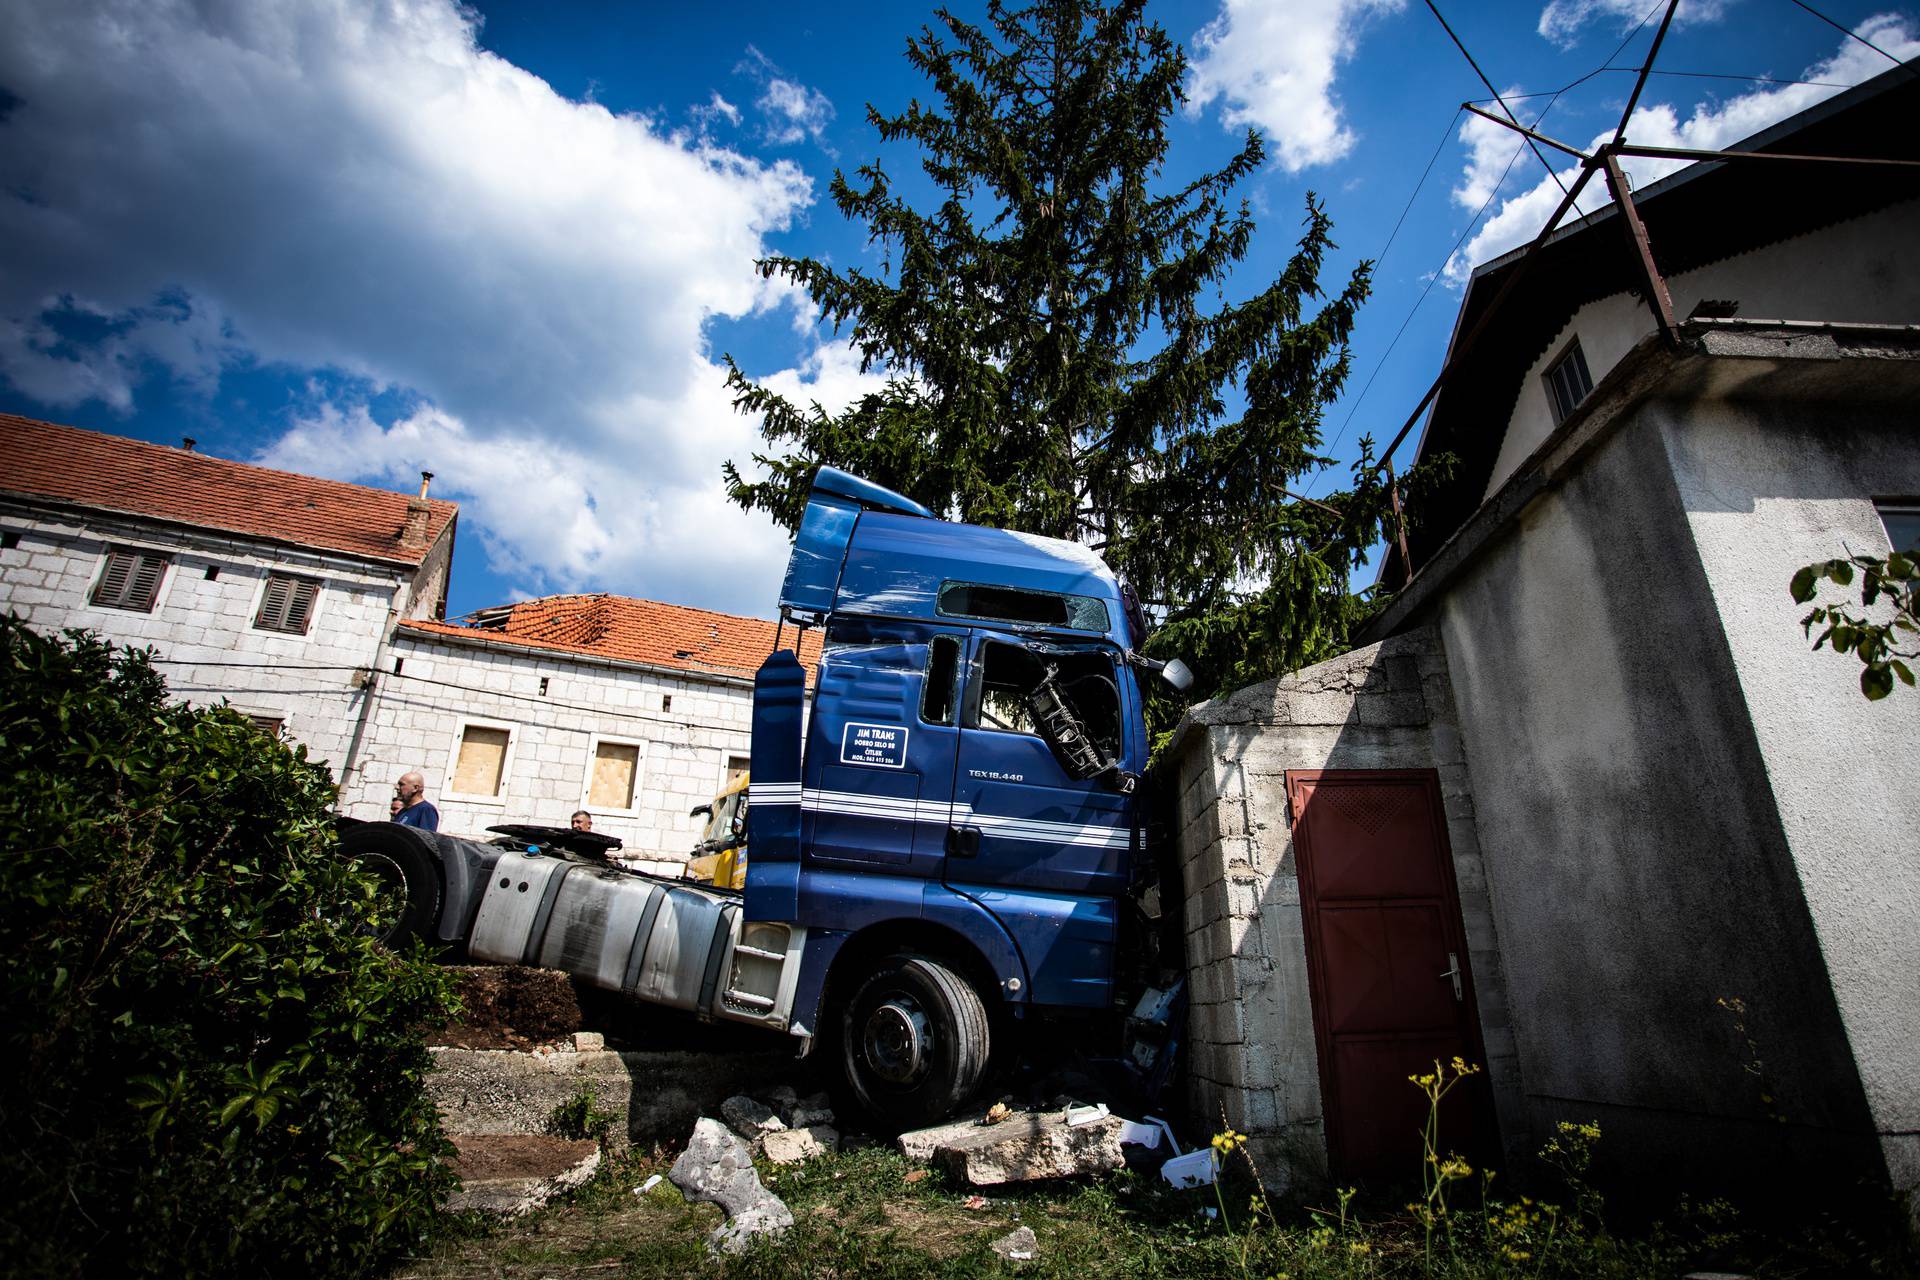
(482, 761)
(270, 725)
(614, 767)
(287, 604)
(131, 581)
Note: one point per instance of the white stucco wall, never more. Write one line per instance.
(419, 715)
(1767, 488)
(202, 629)
(1858, 271)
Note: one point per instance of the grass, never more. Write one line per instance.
(868, 1212)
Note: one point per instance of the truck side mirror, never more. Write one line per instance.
(1173, 671)
(699, 809)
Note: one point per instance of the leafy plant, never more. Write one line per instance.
(1061, 354)
(1875, 643)
(211, 1068)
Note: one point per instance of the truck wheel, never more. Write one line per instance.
(913, 1041)
(399, 859)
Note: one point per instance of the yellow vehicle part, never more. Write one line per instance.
(726, 835)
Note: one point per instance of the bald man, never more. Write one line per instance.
(414, 810)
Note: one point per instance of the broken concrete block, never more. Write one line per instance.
(1025, 1148)
(750, 1119)
(919, 1145)
(717, 1167)
(588, 1042)
(795, 1146)
(804, 1116)
(1018, 1245)
(781, 1097)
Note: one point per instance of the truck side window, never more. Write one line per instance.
(1010, 675)
(943, 668)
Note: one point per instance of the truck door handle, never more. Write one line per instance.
(1453, 971)
(963, 842)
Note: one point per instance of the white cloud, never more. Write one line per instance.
(1272, 65)
(1710, 127)
(1562, 20)
(717, 108)
(359, 187)
(793, 112)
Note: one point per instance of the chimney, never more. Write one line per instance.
(413, 533)
(426, 478)
(187, 443)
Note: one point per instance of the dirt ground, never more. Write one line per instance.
(512, 1008)
(516, 1155)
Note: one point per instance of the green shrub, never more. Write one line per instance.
(210, 1069)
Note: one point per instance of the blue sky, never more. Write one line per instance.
(510, 243)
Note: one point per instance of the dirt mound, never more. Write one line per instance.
(484, 1157)
(512, 1008)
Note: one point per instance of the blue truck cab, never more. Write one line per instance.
(953, 820)
(943, 828)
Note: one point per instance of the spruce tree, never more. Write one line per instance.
(1061, 355)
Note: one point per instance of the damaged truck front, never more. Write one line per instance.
(943, 831)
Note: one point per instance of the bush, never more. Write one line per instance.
(211, 1069)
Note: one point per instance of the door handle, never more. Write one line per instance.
(963, 842)
(1453, 971)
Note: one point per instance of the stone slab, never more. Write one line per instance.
(1031, 1147)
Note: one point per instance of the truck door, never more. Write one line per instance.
(1046, 851)
(878, 779)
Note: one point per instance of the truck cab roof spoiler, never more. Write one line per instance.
(865, 492)
(820, 547)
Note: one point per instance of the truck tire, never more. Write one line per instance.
(913, 1041)
(403, 862)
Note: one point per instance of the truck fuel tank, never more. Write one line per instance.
(659, 941)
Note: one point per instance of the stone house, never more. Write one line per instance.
(632, 709)
(273, 591)
(1586, 810)
(317, 608)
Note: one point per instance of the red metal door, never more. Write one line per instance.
(1386, 966)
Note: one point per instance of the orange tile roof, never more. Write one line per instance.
(113, 473)
(621, 627)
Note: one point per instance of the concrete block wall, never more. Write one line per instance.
(201, 628)
(419, 714)
(1254, 1063)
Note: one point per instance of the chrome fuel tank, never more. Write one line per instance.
(655, 940)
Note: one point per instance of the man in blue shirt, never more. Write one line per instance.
(414, 811)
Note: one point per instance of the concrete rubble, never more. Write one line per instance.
(750, 1119)
(1019, 1245)
(718, 1167)
(796, 1146)
(1027, 1147)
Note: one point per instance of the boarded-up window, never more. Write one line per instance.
(269, 725)
(131, 580)
(483, 759)
(737, 767)
(287, 604)
(614, 767)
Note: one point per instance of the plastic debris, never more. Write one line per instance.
(648, 1185)
(1194, 1169)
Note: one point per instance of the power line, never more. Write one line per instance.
(1434, 278)
(1458, 44)
(1850, 33)
(1718, 75)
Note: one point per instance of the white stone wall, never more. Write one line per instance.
(442, 686)
(1250, 1030)
(1851, 272)
(201, 629)
(1769, 487)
